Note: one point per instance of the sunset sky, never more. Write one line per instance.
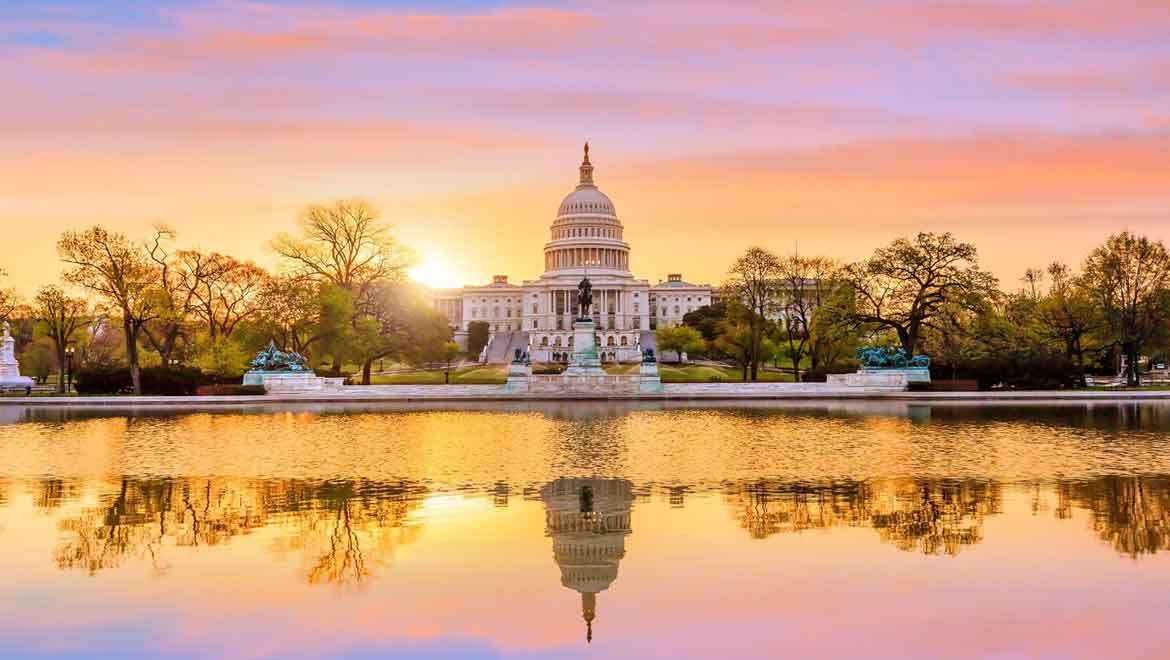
(1033, 129)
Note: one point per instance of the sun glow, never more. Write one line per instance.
(435, 271)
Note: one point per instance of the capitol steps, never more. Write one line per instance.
(503, 346)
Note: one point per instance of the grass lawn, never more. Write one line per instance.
(699, 374)
(497, 374)
(476, 375)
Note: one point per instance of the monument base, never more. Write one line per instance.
(649, 379)
(291, 382)
(519, 375)
(897, 379)
(584, 361)
(15, 382)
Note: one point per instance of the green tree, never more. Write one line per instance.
(448, 352)
(117, 269)
(736, 340)
(1129, 278)
(222, 356)
(1067, 314)
(906, 286)
(61, 318)
(399, 324)
(706, 320)
(37, 359)
(680, 339)
(478, 333)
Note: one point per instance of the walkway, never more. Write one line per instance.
(671, 392)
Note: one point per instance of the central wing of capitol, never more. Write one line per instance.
(586, 240)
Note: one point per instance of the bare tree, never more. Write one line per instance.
(172, 302)
(906, 286)
(118, 270)
(805, 284)
(754, 279)
(347, 246)
(1033, 280)
(224, 290)
(8, 299)
(62, 316)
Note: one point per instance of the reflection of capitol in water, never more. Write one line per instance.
(588, 520)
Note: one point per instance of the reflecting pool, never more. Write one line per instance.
(589, 529)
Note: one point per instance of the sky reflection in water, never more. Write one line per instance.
(592, 529)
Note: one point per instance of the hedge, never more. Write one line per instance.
(155, 380)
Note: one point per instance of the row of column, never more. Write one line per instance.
(566, 301)
(576, 257)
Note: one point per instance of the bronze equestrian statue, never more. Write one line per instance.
(585, 298)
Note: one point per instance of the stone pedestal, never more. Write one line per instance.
(10, 377)
(291, 382)
(583, 361)
(897, 379)
(519, 376)
(649, 379)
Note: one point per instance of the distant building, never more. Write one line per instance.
(586, 238)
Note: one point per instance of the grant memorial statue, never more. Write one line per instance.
(585, 299)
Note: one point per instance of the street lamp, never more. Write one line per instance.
(69, 350)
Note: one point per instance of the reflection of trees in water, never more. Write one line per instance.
(354, 526)
(1132, 514)
(331, 520)
(932, 516)
(52, 493)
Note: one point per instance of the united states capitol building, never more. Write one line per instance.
(585, 239)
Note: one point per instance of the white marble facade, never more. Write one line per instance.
(586, 238)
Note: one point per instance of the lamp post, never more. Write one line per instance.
(69, 350)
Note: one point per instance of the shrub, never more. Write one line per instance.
(102, 380)
(231, 390)
(155, 381)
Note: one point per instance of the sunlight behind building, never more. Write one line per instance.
(436, 271)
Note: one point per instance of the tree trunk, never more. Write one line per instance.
(336, 368)
(1132, 368)
(367, 366)
(131, 332)
(796, 370)
(908, 341)
(60, 347)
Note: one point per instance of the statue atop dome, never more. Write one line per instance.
(586, 169)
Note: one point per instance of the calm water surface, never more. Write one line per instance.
(593, 530)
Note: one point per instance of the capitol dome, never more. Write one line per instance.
(587, 233)
(586, 200)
